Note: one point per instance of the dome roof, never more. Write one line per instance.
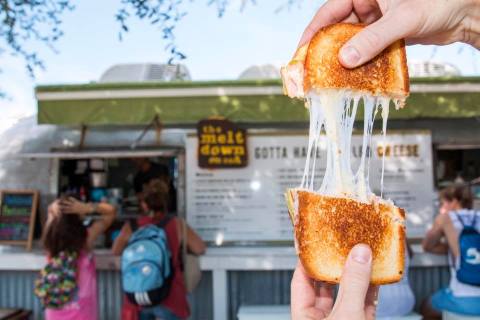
(139, 72)
(266, 71)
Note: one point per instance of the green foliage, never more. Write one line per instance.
(24, 22)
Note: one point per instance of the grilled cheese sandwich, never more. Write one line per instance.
(332, 216)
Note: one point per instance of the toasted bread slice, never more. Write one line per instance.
(326, 228)
(315, 66)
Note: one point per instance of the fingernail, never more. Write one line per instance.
(349, 56)
(361, 253)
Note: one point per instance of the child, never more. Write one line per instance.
(155, 202)
(69, 244)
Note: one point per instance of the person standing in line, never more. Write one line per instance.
(443, 238)
(155, 205)
(71, 264)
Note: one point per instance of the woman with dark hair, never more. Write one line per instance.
(67, 285)
(155, 205)
(443, 238)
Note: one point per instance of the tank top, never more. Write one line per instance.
(176, 301)
(84, 305)
(458, 288)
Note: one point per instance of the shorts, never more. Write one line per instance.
(444, 300)
(157, 312)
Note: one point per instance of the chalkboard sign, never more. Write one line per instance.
(17, 216)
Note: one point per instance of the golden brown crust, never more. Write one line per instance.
(402, 249)
(386, 74)
(404, 67)
(327, 228)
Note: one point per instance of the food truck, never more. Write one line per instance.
(231, 148)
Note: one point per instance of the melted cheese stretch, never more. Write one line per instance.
(333, 112)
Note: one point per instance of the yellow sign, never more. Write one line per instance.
(221, 144)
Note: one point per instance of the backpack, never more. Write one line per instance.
(56, 285)
(469, 243)
(146, 265)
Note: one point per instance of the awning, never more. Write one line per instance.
(256, 102)
(103, 153)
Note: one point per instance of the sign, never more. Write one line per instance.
(17, 216)
(221, 144)
(248, 204)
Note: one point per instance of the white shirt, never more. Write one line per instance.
(458, 288)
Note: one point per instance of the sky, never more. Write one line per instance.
(216, 48)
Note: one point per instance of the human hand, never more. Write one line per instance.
(73, 206)
(53, 210)
(356, 299)
(418, 22)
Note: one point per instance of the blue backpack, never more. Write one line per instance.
(469, 243)
(146, 265)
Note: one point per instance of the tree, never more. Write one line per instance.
(23, 22)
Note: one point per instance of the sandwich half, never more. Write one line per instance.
(315, 66)
(327, 225)
(326, 229)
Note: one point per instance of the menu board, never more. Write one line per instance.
(17, 216)
(247, 204)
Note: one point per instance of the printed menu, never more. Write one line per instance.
(248, 205)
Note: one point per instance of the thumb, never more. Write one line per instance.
(355, 281)
(372, 40)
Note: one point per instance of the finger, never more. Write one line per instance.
(324, 297)
(355, 281)
(371, 302)
(374, 38)
(331, 12)
(412, 41)
(65, 208)
(367, 11)
(72, 200)
(429, 40)
(66, 202)
(302, 292)
(352, 18)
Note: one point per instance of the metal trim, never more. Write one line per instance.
(159, 93)
(98, 154)
(223, 91)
